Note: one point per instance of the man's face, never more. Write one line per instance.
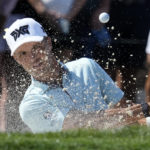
(35, 57)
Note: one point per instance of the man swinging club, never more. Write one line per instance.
(65, 96)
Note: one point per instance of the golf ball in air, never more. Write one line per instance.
(104, 17)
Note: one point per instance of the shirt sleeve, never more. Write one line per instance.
(109, 90)
(40, 116)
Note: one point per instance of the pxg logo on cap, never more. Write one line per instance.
(23, 31)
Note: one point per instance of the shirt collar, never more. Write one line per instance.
(45, 86)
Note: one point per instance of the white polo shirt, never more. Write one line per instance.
(86, 87)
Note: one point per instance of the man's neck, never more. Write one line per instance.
(53, 78)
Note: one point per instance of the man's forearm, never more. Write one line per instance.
(111, 118)
(79, 119)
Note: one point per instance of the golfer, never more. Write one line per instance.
(59, 94)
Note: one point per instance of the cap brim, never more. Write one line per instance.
(26, 40)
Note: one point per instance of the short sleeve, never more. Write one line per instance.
(109, 90)
(41, 116)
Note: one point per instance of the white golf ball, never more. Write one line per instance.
(104, 17)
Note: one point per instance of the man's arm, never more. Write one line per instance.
(111, 118)
(110, 92)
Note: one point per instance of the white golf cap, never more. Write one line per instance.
(23, 31)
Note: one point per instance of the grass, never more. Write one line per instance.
(129, 138)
